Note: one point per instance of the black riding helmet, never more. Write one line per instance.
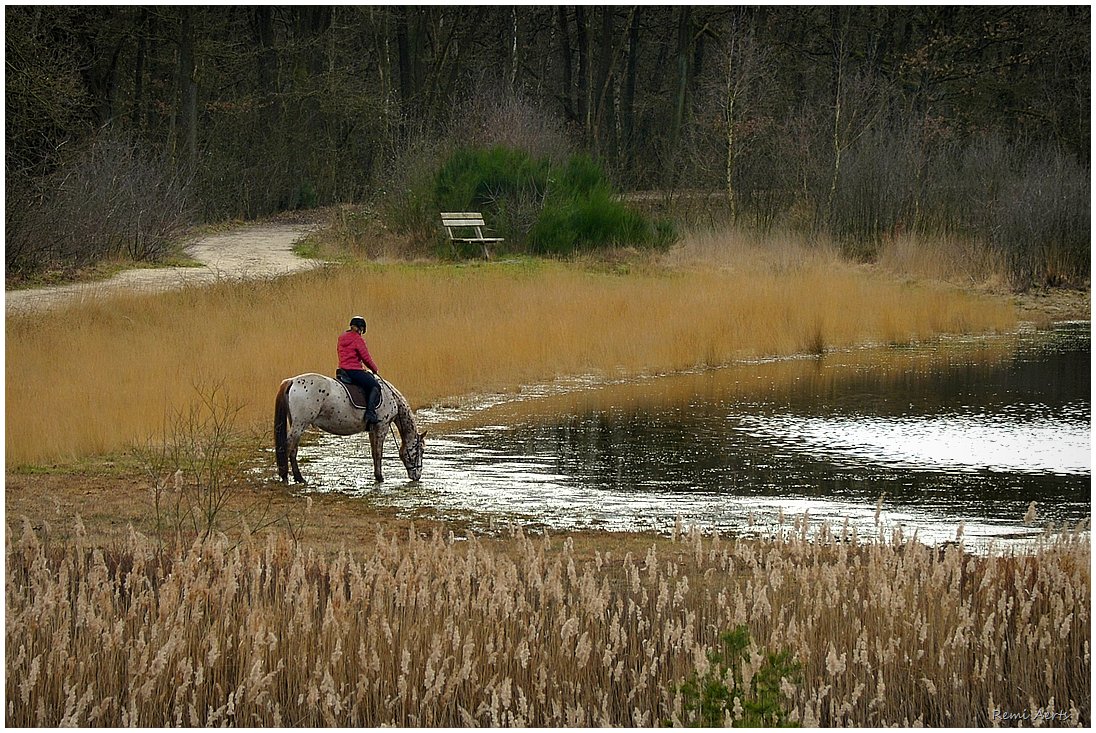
(358, 321)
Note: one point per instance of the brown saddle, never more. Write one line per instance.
(358, 396)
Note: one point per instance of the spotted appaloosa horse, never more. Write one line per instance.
(313, 399)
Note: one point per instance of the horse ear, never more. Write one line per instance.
(423, 434)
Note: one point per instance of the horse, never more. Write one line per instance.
(314, 399)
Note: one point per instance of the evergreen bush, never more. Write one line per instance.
(726, 694)
(551, 209)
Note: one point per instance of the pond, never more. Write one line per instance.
(956, 437)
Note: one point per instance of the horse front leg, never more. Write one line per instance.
(376, 443)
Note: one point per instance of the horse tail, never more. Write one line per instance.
(281, 432)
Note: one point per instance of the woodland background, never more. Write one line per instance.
(125, 123)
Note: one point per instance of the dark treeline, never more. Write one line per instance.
(856, 121)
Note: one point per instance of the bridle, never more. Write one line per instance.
(400, 450)
(403, 453)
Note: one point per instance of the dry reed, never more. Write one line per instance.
(443, 331)
(947, 258)
(523, 631)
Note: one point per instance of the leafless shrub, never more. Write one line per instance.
(499, 115)
(876, 193)
(112, 200)
(1029, 203)
(191, 467)
(1041, 222)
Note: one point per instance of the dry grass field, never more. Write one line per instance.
(437, 331)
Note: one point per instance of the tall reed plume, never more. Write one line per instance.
(525, 631)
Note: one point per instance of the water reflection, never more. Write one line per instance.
(968, 430)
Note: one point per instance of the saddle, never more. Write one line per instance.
(358, 396)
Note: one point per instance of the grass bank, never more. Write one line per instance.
(439, 331)
(422, 630)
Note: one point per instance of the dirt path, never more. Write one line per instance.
(264, 250)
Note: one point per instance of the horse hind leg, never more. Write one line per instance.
(376, 443)
(294, 444)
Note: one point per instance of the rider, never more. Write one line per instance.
(353, 353)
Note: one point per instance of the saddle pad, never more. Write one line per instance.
(357, 395)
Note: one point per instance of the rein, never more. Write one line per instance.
(392, 434)
(392, 427)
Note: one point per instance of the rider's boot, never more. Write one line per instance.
(371, 411)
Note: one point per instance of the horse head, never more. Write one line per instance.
(411, 454)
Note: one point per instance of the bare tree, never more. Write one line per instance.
(858, 98)
(747, 73)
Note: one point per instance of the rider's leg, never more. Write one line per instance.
(365, 380)
(374, 399)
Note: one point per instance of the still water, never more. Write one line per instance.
(956, 437)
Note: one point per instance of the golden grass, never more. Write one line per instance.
(747, 382)
(428, 631)
(947, 258)
(96, 377)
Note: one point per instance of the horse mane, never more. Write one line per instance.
(405, 417)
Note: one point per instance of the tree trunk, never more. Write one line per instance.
(268, 54)
(403, 55)
(732, 197)
(838, 30)
(565, 57)
(137, 115)
(684, 33)
(188, 92)
(603, 105)
(514, 59)
(628, 98)
(583, 43)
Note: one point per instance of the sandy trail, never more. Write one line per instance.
(261, 251)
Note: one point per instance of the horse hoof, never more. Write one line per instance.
(379, 479)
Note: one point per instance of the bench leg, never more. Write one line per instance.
(486, 252)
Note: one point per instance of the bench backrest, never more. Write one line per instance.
(462, 219)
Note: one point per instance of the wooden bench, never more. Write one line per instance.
(458, 222)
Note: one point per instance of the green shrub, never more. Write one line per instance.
(479, 179)
(304, 196)
(586, 222)
(582, 176)
(722, 691)
(552, 209)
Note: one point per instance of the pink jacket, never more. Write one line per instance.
(353, 352)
